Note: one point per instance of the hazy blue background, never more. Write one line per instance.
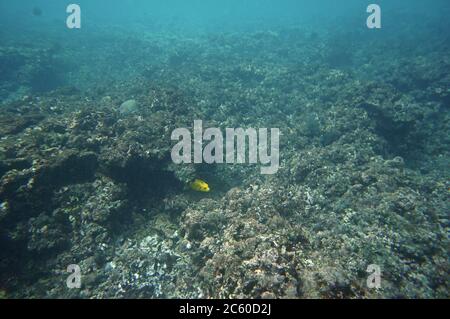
(409, 28)
(188, 15)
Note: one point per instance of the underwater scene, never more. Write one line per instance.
(238, 149)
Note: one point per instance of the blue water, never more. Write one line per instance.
(225, 15)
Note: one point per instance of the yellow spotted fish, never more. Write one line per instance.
(199, 186)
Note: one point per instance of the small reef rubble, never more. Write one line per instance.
(87, 180)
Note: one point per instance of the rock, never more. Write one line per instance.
(128, 107)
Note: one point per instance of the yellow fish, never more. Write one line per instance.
(199, 186)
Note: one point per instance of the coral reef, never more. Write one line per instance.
(88, 179)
